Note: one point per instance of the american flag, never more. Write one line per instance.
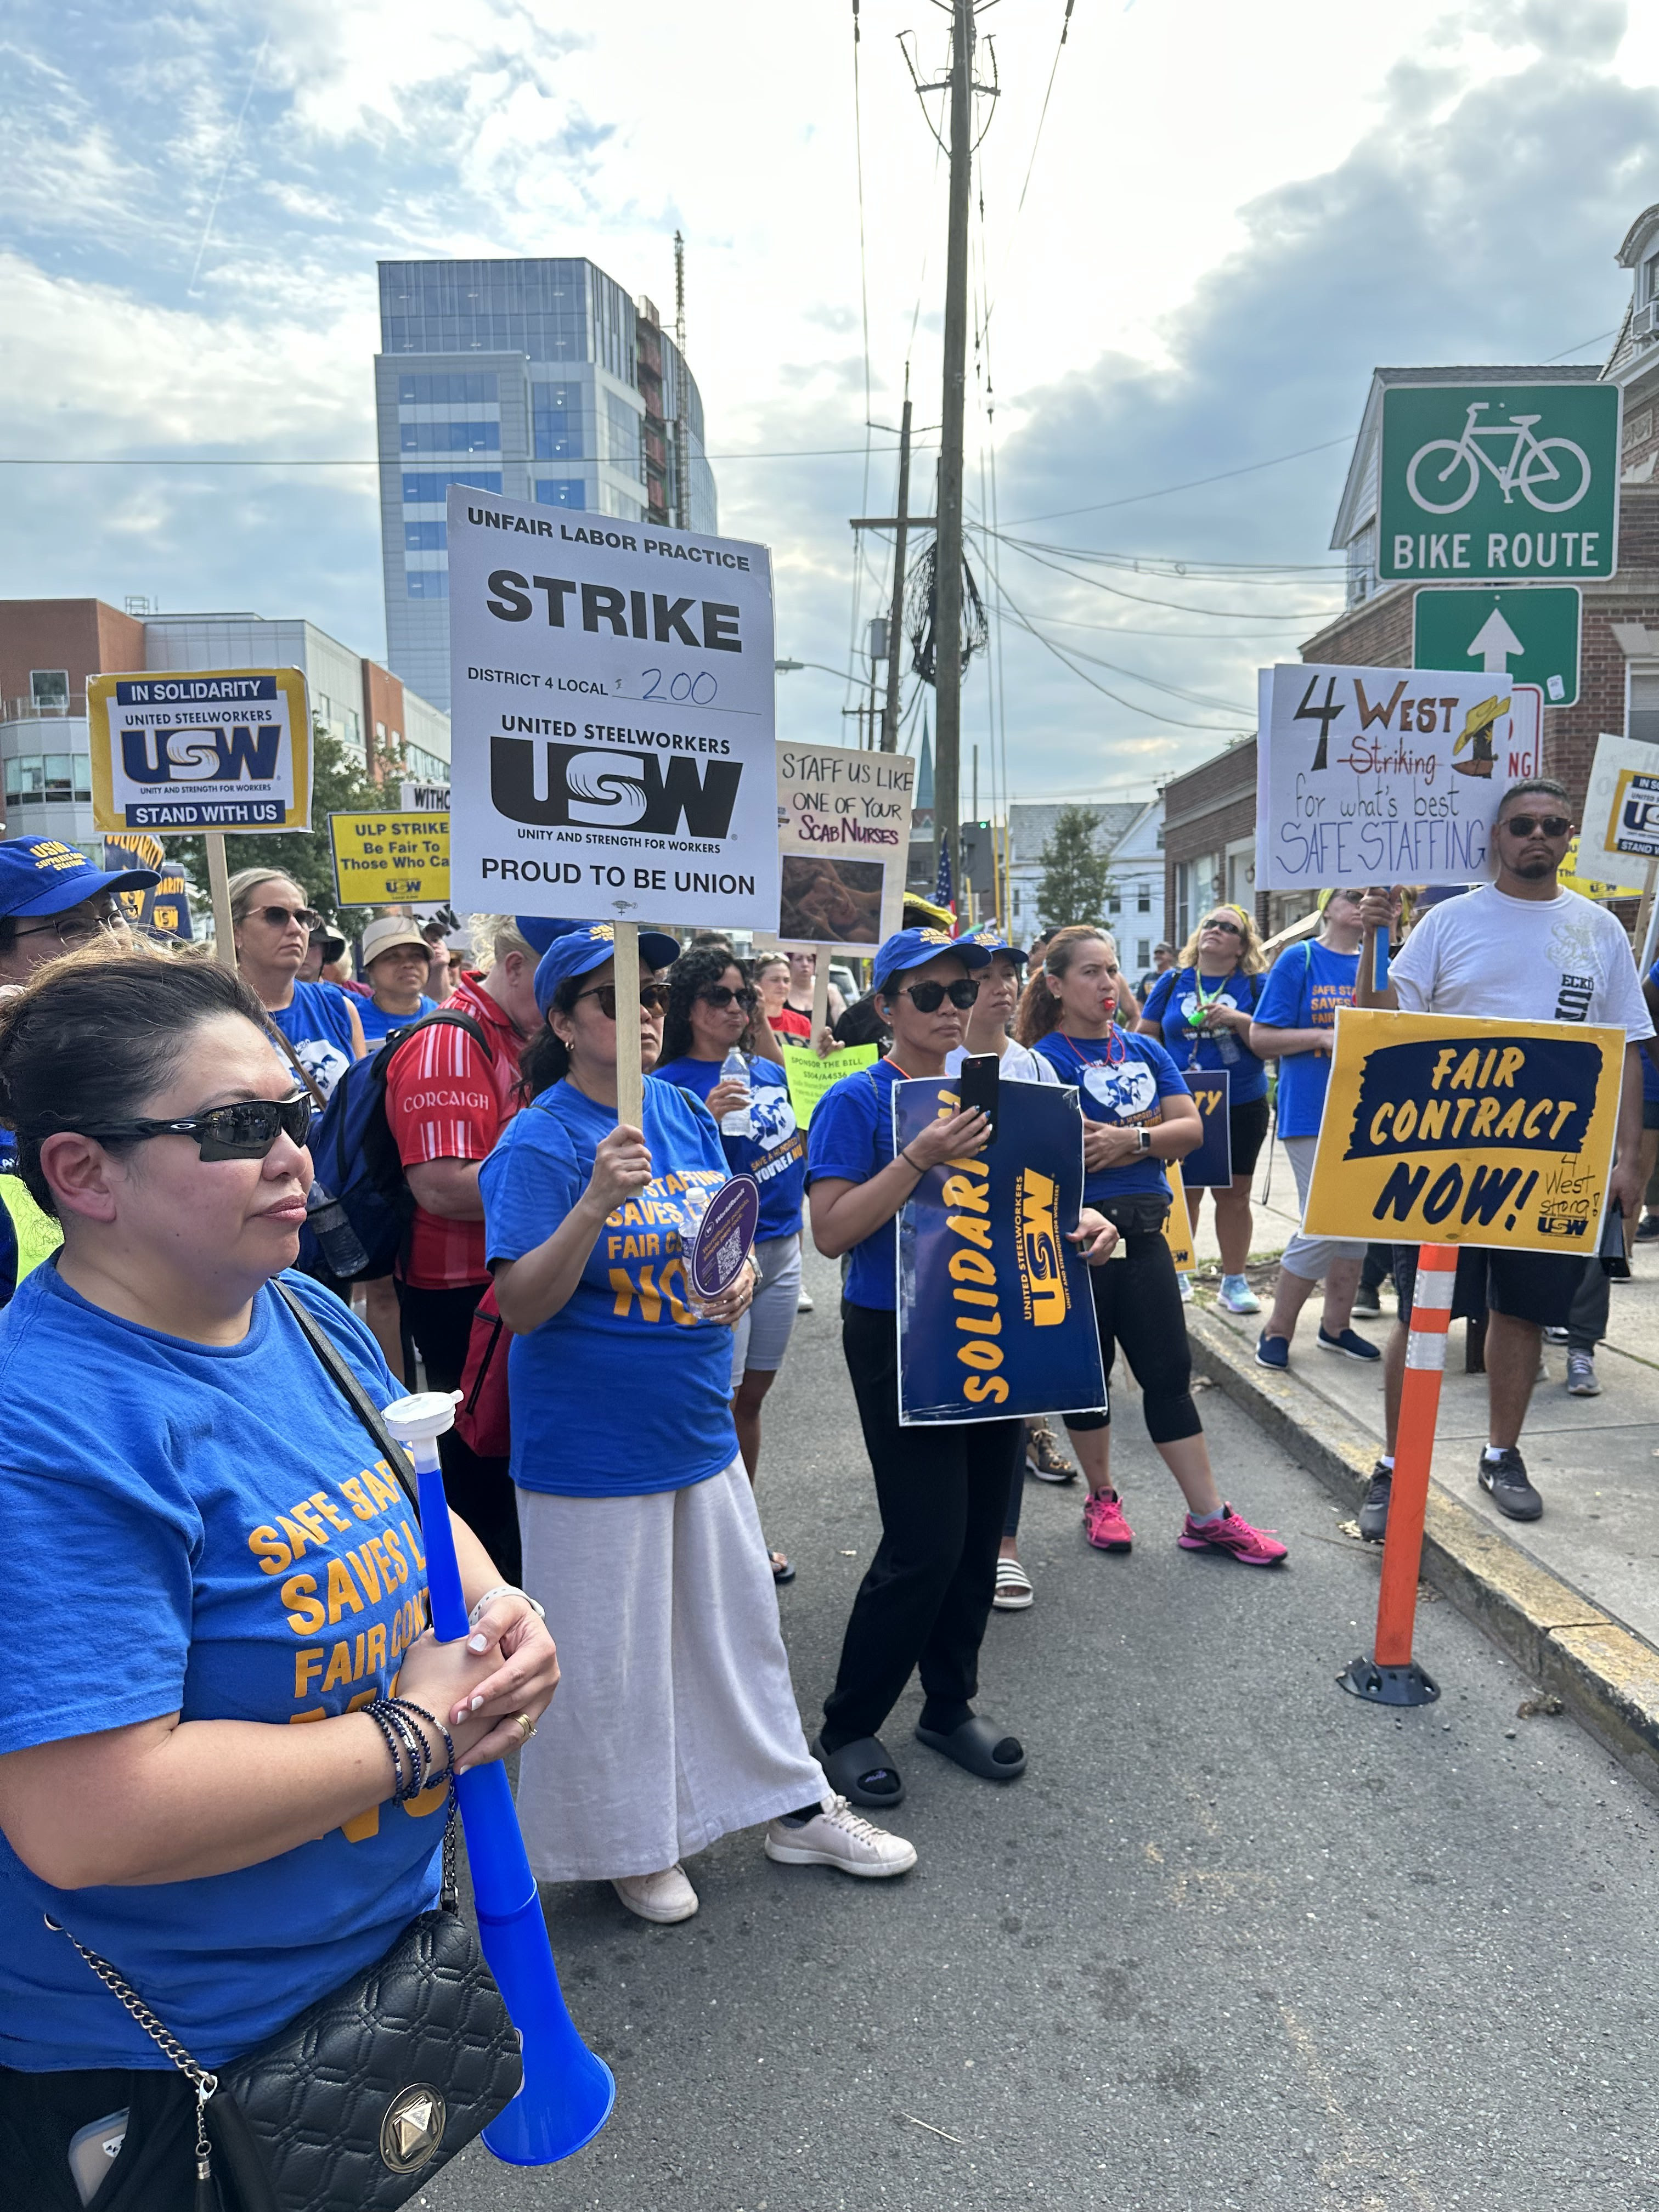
(942, 891)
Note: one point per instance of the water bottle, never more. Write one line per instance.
(338, 1241)
(740, 1122)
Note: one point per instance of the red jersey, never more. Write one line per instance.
(445, 1100)
(791, 1026)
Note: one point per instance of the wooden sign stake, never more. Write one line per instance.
(820, 992)
(630, 1080)
(224, 931)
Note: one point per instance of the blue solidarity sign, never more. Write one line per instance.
(1211, 1166)
(996, 1318)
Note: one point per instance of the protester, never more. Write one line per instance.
(200, 1488)
(396, 967)
(1200, 1011)
(711, 1012)
(1520, 948)
(52, 900)
(1138, 1114)
(1296, 1025)
(273, 923)
(987, 1033)
(323, 945)
(802, 970)
(448, 1097)
(1163, 961)
(678, 1723)
(942, 1489)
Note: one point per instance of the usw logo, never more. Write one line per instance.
(1041, 1261)
(214, 753)
(599, 787)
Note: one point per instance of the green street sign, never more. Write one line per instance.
(1530, 635)
(1506, 483)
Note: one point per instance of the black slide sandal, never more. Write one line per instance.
(848, 1768)
(975, 1746)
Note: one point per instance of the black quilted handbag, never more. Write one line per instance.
(355, 2104)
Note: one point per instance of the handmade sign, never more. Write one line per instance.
(1441, 1129)
(809, 1075)
(996, 1315)
(843, 842)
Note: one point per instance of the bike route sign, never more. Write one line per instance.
(1529, 633)
(1505, 482)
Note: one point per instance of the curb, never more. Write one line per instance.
(1603, 1673)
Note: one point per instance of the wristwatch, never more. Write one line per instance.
(1143, 1140)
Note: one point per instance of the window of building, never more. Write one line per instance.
(1143, 898)
(445, 388)
(426, 537)
(1642, 718)
(1241, 872)
(622, 442)
(560, 491)
(1198, 885)
(48, 779)
(1650, 277)
(425, 766)
(1016, 899)
(450, 437)
(1143, 953)
(49, 691)
(1113, 903)
(427, 583)
(430, 490)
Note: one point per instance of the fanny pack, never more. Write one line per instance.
(375, 2086)
(1142, 1213)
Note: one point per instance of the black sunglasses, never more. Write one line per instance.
(1523, 825)
(929, 998)
(245, 1131)
(654, 997)
(1227, 928)
(280, 916)
(723, 994)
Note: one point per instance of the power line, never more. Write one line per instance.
(1180, 606)
(1151, 713)
(1065, 28)
(1582, 343)
(1166, 491)
(405, 460)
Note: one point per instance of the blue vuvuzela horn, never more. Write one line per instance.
(567, 2093)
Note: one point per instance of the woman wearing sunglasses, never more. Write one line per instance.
(273, 924)
(942, 1491)
(175, 1454)
(1200, 1011)
(678, 1724)
(1138, 1114)
(711, 1012)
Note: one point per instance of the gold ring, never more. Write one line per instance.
(527, 1724)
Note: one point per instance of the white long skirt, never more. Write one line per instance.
(674, 1721)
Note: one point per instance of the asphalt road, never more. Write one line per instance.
(1236, 1940)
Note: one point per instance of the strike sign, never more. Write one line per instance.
(1385, 776)
(612, 735)
(205, 748)
(1441, 1129)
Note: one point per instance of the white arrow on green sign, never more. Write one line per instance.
(1529, 634)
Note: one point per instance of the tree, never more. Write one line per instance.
(1076, 873)
(339, 786)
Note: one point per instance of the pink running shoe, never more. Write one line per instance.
(1254, 1547)
(1103, 1524)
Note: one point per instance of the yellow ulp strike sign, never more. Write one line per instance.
(1442, 1130)
(390, 859)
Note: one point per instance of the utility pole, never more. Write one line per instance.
(947, 754)
(682, 443)
(889, 720)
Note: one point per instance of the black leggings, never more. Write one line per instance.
(1138, 1305)
(942, 1491)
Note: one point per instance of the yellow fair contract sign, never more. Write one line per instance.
(1439, 1129)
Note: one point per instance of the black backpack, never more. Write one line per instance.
(361, 1205)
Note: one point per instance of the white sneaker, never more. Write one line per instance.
(838, 1836)
(803, 1304)
(664, 1897)
(1186, 1290)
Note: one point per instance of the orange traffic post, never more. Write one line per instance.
(1391, 1676)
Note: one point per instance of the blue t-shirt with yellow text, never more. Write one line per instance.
(208, 1530)
(624, 1390)
(1303, 989)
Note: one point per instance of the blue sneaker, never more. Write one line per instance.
(1273, 1351)
(1236, 1295)
(1355, 1346)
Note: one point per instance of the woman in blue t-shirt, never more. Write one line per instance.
(678, 1723)
(1200, 1011)
(1138, 1114)
(273, 923)
(711, 1008)
(245, 1562)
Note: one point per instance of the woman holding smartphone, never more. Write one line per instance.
(1138, 1114)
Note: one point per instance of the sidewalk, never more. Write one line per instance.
(1583, 1577)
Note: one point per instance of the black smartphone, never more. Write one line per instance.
(977, 1083)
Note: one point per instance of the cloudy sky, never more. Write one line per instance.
(1229, 216)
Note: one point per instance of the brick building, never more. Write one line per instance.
(1209, 839)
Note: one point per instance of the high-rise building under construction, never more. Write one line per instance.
(542, 380)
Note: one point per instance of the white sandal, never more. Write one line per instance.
(1013, 1591)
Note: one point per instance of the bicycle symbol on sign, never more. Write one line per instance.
(1534, 465)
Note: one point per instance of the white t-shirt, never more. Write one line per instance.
(1019, 1064)
(1564, 959)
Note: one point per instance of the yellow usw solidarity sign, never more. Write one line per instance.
(390, 859)
(1447, 1131)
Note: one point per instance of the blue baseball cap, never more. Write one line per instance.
(43, 875)
(538, 933)
(994, 939)
(914, 948)
(586, 946)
